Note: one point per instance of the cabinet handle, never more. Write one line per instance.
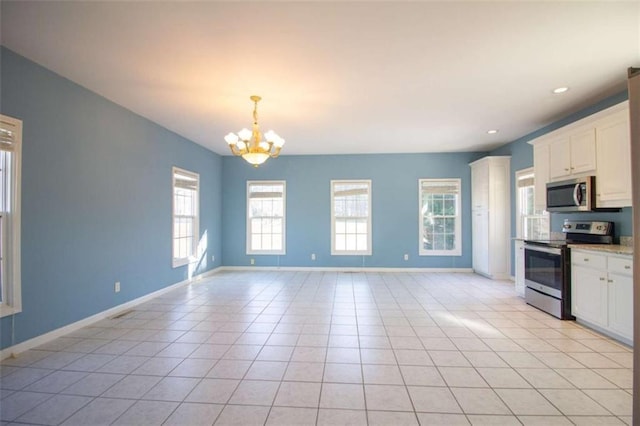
(572, 168)
(609, 281)
(601, 278)
(586, 259)
(627, 267)
(566, 170)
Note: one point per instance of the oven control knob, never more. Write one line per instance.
(566, 226)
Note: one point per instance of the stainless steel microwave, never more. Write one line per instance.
(575, 195)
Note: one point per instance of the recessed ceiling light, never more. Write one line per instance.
(492, 131)
(560, 90)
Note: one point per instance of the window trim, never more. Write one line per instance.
(182, 261)
(13, 304)
(518, 175)
(369, 250)
(458, 223)
(248, 234)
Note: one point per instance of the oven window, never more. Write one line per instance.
(543, 268)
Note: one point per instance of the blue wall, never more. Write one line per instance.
(522, 157)
(96, 200)
(394, 207)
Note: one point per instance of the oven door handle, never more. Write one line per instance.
(577, 195)
(550, 250)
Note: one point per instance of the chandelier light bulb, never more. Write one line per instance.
(245, 134)
(231, 139)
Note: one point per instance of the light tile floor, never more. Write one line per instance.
(312, 348)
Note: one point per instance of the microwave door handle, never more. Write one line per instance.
(577, 195)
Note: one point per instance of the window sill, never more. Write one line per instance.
(266, 253)
(441, 253)
(176, 263)
(351, 253)
(6, 310)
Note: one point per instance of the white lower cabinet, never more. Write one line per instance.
(602, 292)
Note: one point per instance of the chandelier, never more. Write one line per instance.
(249, 145)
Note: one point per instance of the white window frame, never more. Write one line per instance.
(181, 261)
(522, 174)
(284, 217)
(369, 249)
(12, 292)
(458, 220)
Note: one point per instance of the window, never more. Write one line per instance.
(185, 216)
(10, 166)
(532, 224)
(351, 217)
(266, 217)
(440, 228)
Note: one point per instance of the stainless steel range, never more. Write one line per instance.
(547, 265)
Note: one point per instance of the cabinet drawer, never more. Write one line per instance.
(621, 265)
(589, 259)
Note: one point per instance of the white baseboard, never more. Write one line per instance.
(59, 332)
(340, 269)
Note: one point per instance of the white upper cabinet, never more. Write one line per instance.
(559, 158)
(595, 145)
(613, 179)
(573, 154)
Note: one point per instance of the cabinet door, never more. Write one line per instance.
(519, 267)
(589, 294)
(480, 241)
(541, 172)
(560, 158)
(583, 151)
(480, 186)
(620, 293)
(613, 183)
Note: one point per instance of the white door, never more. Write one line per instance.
(614, 164)
(620, 294)
(560, 158)
(589, 294)
(583, 152)
(481, 241)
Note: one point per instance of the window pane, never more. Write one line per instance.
(256, 242)
(361, 242)
(450, 242)
(340, 242)
(256, 226)
(351, 226)
(341, 226)
(266, 242)
(450, 225)
(351, 242)
(276, 242)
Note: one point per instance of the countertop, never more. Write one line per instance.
(606, 248)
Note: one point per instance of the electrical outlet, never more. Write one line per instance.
(313, 256)
(406, 257)
(213, 258)
(253, 261)
(116, 287)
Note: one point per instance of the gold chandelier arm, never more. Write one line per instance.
(235, 150)
(275, 153)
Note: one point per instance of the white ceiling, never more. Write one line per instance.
(338, 77)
